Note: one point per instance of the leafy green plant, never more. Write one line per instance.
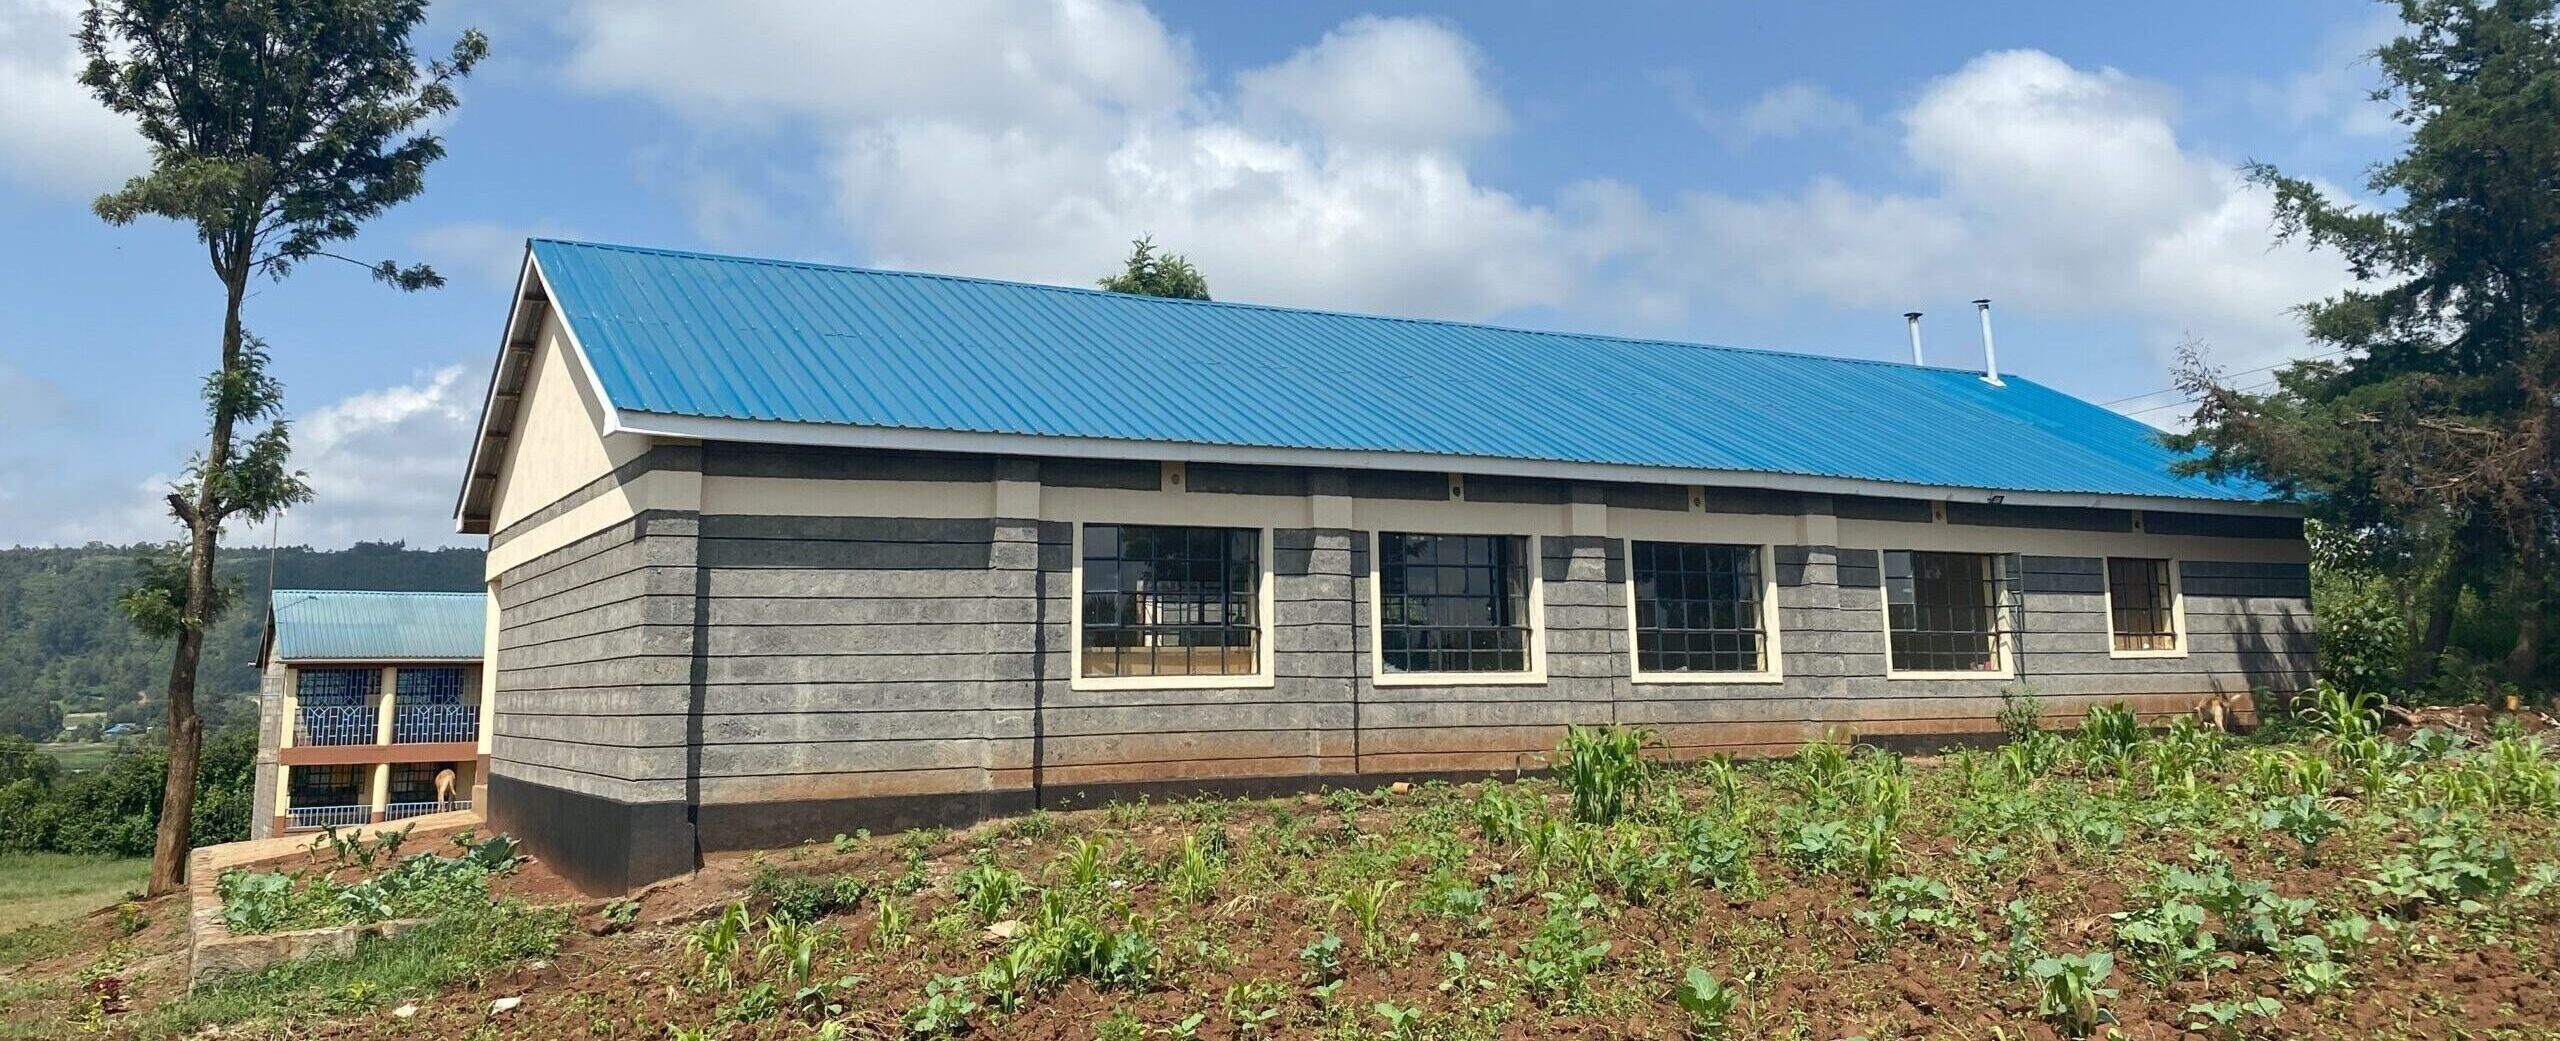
(2109, 729)
(2021, 712)
(1818, 846)
(1323, 957)
(803, 898)
(1903, 902)
(1604, 769)
(2071, 991)
(947, 1007)
(2304, 819)
(1716, 853)
(1556, 958)
(1367, 905)
(1502, 815)
(716, 944)
(1402, 1021)
(987, 891)
(2168, 941)
(1707, 1000)
(1194, 876)
(2232, 1019)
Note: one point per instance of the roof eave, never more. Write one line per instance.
(501, 402)
(843, 435)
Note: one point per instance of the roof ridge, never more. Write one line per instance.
(1606, 338)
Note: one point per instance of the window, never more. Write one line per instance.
(1166, 601)
(1453, 603)
(337, 687)
(1942, 610)
(328, 785)
(1697, 608)
(2141, 604)
(436, 686)
(414, 782)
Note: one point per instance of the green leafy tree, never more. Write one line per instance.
(276, 129)
(1158, 274)
(2430, 436)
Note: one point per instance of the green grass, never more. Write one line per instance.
(412, 964)
(79, 756)
(41, 888)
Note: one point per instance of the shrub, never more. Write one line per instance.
(804, 898)
(2021, 712)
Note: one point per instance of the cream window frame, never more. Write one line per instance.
(2177, 607)
(1266, 670)
(2000, 633)
(1535, 675)
(1772, 654)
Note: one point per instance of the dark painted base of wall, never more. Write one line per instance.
(597, 844)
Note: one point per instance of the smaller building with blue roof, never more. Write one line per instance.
(779, 550)
(372, 707)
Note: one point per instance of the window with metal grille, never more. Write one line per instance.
(327, 785)
(2141, 605)
(1697, 607)
(414, 782)
(1453, 603)
(1169, 601)
(337, 687)
(1943, 610)
(430, 686)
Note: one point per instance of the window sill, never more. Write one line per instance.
(1256, 681)
(2179, 652)
(1692, 679)
(2003, 675)
(1458, 679)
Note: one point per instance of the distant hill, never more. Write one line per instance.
(63, 641)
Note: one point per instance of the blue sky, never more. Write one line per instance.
(1790, 176)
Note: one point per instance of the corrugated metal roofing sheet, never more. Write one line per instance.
(692, 334)
(353, 625)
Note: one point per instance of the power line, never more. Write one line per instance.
(2250, 389)
(2243, 372)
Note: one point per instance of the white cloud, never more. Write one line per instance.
(382, 465)
(1333, 178)
(385, 464)
(1799, 108)
(54, 137)
(2062, 190)
(1340, 176)
(1394, 84)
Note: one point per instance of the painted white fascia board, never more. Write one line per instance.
(843, 435)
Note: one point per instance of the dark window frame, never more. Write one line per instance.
(1112, 568)
(1485, 626)
(1716, 620)
(1929, 628)
(363, 686)
(433, 685)
(2151, 600)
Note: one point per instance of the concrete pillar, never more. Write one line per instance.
(381, 790)
(383, 703)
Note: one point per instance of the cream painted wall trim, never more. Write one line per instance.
(1265, 672)
(654, 490)
(2177, 609)
(819, 497)
(777, 432)
(1999, 635)
(1537, 671)
(1772, 656)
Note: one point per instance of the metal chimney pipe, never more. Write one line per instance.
(1990, 356)
(1913, 318)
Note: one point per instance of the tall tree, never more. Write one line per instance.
(1149, 273)
(276, 129)
(2434, 429)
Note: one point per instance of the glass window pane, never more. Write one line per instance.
(1453, 603)
(1170, 601)
(1944, 617)
(1695, 612)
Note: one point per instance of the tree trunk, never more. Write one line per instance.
(2526, 656)
(204, 527)
(2443, 595)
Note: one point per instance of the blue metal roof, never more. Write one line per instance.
(689, 334)
(355, 625)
